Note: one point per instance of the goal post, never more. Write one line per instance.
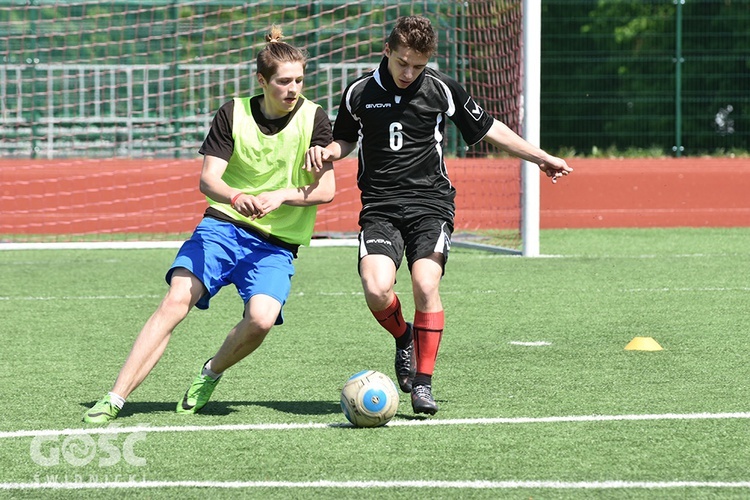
(530, 189)
(103, 106)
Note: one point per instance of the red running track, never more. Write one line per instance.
(124, 195)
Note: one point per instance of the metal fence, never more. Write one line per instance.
(127, 109)
(144, 79)
(671, 76)
(667, 76)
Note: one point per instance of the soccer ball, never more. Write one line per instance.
(369, 399)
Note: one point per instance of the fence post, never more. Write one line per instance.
(463, 61)
(678, 148)
(32, 60)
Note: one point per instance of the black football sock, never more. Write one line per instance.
(422, 379)
(402, 342)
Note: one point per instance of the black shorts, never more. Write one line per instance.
(392, 229)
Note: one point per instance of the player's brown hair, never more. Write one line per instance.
(276, 52)
(414, 32)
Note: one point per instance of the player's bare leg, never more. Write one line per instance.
(261, 312)
(425, 282)
(378, 274)
(260, 315)
(184, 291)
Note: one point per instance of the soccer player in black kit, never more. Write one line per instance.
(396, 115)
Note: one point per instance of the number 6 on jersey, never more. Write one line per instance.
(397, 138)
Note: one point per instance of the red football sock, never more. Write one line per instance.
(391, 318)
(428, 331)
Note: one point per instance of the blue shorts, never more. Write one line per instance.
(219, 253)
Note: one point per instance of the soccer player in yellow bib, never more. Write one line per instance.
(261, 206)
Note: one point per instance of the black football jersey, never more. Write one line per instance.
(400, 134)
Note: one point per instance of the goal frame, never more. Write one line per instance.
(525, 119)
(530, 182)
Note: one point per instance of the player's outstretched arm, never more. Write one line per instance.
(504, 138)
(316, 156)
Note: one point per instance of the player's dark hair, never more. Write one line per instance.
(276, 52)
(414, 32)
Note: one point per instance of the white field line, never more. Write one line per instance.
(343, 294)
(610, 256)
(687, 289)
(136, 482)
(92, 245)
(117, 429)
(141, 245)
(84, 297)
(477, 485)
(323, 242)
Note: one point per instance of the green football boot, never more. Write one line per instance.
(197, 394)
(102, 412)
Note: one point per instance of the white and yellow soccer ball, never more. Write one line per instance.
(369, 399)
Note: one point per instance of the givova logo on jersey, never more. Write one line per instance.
(377, 105)
(474, 109)
(378, 241)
